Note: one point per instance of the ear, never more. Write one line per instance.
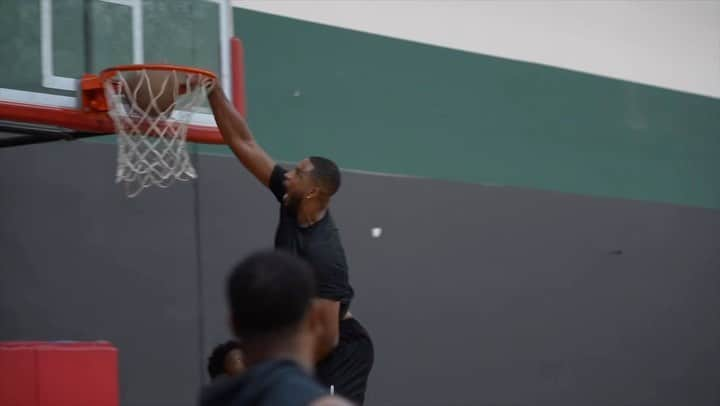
(314, 192)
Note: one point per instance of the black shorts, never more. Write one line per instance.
(347, 368)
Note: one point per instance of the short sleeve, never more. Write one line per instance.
(331, 273)
(277, 179)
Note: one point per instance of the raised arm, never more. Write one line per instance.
(237, 135)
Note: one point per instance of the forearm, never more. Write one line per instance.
(230, 122)
(324, 348)
(330, 327)
(237, 136)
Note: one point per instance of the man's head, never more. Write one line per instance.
(226, 359)
(270, 296)
(313, 178)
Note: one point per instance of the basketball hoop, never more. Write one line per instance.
(151, 107)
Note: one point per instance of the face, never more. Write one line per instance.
(299, 184)
(234, 363)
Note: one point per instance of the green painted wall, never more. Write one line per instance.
(386, 105)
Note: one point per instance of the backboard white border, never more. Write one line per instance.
(52, 81)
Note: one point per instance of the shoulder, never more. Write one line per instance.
(276, 184)
(326, 229)
(278, 170)
(296, 387)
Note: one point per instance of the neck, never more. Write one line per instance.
(262, 350)
(310, 212)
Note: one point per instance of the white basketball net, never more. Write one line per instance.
(151, 110)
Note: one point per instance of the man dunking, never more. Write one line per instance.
(269, 296)
(306, 228)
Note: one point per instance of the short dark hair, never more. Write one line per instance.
(269, 294)
(327, 174)
(216, 361)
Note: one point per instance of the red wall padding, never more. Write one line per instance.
(34, 373)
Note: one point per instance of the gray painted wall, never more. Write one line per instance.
(474, 295)
(81, 262)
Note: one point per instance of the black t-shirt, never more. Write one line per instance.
(319, 244)
(272, 383)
